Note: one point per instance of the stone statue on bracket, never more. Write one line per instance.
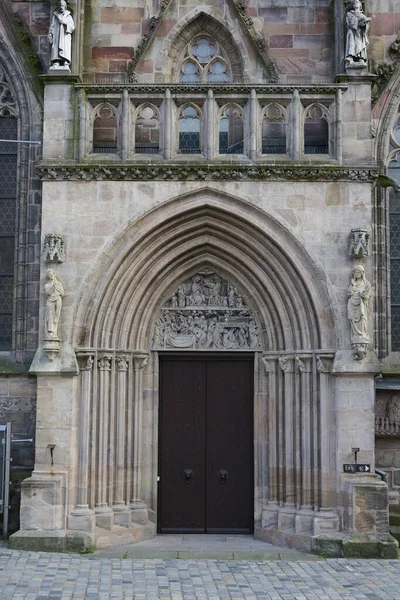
(357, 35)
(60, 37)
(55, 293)
(358, 295)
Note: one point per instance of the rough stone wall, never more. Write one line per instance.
(385, 27)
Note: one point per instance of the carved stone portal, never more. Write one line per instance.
(206, 312)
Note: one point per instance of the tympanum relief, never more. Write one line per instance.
(206, 312)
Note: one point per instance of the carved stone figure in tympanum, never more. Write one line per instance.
(206, 312)
(359, 294)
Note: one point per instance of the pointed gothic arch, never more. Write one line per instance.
(212, 25)
(205, 228)
(288, 327)
(27, 111)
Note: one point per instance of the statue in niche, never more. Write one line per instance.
(359, 294)
(357, 35)
(60, 36)
(55, 292)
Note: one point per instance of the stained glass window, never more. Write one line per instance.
(8, 200)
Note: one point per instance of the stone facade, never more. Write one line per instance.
(162, 235)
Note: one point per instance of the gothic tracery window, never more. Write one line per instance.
(189, 130)
(274, 129)
(105, 129)
(204, 61)
(147, 130)
(8, 203)
(316, 129)
(231, 131)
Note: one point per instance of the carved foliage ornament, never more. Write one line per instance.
(195, 172)
(206, 312)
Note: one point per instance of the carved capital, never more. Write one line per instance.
(86, 362)
(286, 364)
(54, 248)
(269, 364)
(324, 364)
(303, 364)
(140, 361)
(359, 243)
(122, 362)
(104, 362)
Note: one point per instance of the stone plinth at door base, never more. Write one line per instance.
(79, 541)
(334, 545)
(51, 541)
(342, 545)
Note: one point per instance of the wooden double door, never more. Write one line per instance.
(206, 444)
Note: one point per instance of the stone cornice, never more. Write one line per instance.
(226, 88)
(205, 172)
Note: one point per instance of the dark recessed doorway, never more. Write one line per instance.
(206, 444)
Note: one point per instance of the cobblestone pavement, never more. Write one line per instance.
(34, 576)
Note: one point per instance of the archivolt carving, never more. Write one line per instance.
(206, 312)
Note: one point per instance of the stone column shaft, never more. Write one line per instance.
(84, 429)
(270, 365)
(305, 364)
(289, 429)
(104, 363)
(210, 125)
(82, 125)
(296, 125)
(324, 367)
(122, 368)
(316, 439)
(125, 125)
(167, 125)
(140, 360)
(253, 124)
(339, 126)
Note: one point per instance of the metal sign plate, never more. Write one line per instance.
(357, 468)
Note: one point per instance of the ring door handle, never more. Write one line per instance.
(223, 476)
(188, 475)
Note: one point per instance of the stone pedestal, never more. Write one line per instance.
(139, 513)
